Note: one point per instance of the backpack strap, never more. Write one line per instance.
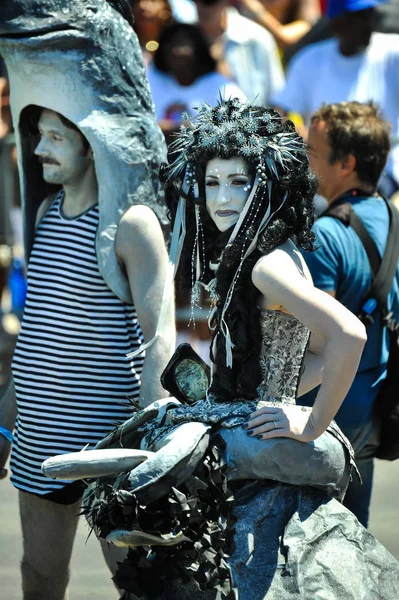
(383, 270)
(369, 245)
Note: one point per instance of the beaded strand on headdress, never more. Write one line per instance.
(230, 129)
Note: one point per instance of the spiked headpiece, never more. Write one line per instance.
(230, 129)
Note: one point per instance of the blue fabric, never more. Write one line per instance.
(340, 263)
(339, 7)
(7, 434)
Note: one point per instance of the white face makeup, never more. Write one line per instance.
(61, 151)
(228, 184)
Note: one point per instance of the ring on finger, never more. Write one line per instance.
(275, 424)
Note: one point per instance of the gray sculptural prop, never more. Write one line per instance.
(83, 60)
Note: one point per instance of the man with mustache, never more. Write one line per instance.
(96, 270)
(70, 370)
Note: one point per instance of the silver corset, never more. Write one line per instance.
(324, 463)
(284, 343)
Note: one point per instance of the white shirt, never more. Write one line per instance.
(252, 57)
(320, 73)
(184, 11)
(171, 98)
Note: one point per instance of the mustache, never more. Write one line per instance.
(47, 161)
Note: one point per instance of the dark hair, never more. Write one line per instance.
(357, 128)
(294, 219)
(30, 123)
(205, 62)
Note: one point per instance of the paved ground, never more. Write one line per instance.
(90, 578)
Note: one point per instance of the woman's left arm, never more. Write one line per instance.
(342, 337)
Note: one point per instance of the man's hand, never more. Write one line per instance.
(141, 248)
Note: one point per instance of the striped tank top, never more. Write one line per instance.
(72, 377)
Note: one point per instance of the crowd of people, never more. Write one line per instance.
(253, 109)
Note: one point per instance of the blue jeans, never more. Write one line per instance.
(365, 441)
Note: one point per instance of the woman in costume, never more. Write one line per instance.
(240, 498)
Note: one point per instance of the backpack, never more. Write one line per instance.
(386, 404)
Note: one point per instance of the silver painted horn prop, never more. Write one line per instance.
(93, 463)
(135, 538)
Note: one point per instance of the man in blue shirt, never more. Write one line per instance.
(348, 146)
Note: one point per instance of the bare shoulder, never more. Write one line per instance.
(137, 218)
(138, 229)
(282, 263)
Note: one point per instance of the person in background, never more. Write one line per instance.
(356, 64)
(244, 51)
(348, 146)
(6, 237)
(150, 18)
(183, 75)
(287, 20)
(11, 246)
(387, 22)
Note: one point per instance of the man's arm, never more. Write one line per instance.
(8, 413)
(141, 248)
(8, 404)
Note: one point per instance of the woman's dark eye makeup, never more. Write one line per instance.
(236, 181)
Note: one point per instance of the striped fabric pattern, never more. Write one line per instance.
(72, 378)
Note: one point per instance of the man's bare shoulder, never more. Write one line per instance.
(137, 217)
(139, 227)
